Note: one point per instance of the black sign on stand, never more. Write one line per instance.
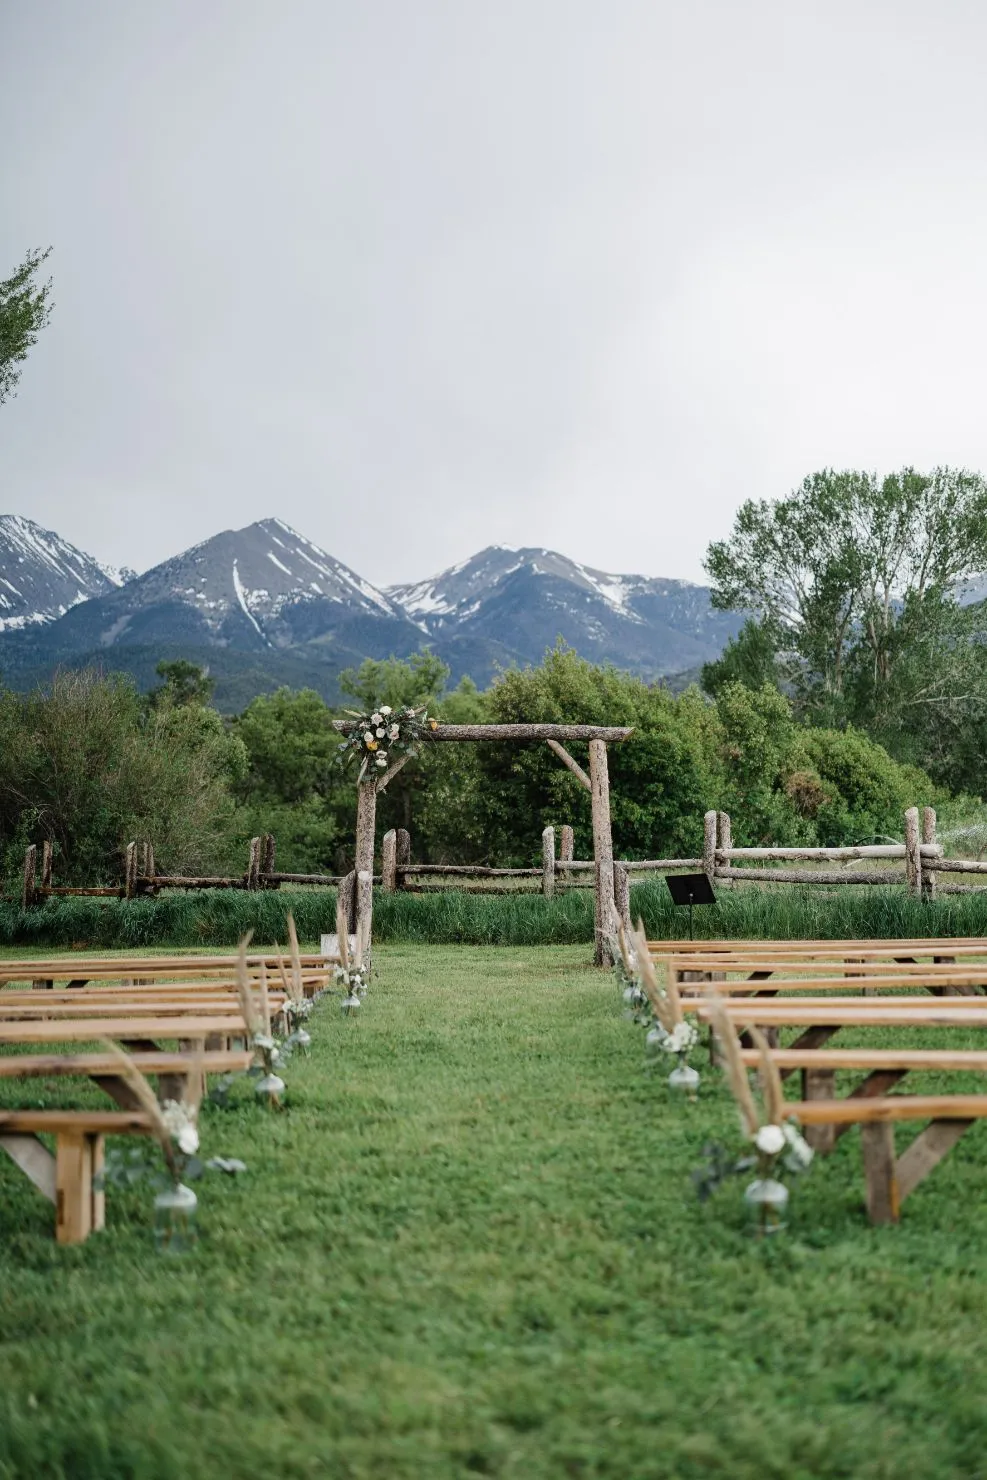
(690, 889)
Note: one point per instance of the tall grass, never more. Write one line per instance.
(220, 918)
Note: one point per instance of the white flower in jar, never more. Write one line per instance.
(770, 1139)
(188, 1140)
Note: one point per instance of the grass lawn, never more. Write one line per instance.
(470, 1247)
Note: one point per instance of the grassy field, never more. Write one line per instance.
(219, 917)
(470, 1247)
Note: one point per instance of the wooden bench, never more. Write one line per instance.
(138, 970)
(66, 1178)
(890, 1179)
(861, 950)
(883, 1068)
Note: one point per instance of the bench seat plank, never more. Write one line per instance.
(888, 1107)
(84, 1030)
(973, 1059)
(29, 1066)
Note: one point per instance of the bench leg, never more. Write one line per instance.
(811, 1038)
(878, 1082)
(819, 1084)
(74, 1157)
(877, 1137)
(926, 1152)
(34, 1160)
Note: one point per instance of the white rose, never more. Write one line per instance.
(381, 733)
(800, 1152)
(368, 736)
(385, 709)
(375, 719)
(188, 1140)
(394, 732)
(382, 761)
(770, 1139)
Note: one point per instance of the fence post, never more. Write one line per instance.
(30, 865)
(726, 836)
(566, 854)
(389, 862)
(267, 857)
(709, 844)
(622, 894)
(929, 836)
(548, 862)
(46, 864)
(347, 899)
(913, 858)
(252, 878)
(403, 854)
(130, 871)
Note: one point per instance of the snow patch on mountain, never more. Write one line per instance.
(42, 575)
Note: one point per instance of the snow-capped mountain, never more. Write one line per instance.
(263, 605)
(524, 598)
(262, 587)
(42, 575)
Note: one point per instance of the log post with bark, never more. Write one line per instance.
(602, 852)
(566, 851)
(913, 856)
(929, 836)
(389, 862)
(548, 862)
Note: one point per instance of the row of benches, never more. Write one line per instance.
(821, 987)
(187, 1001)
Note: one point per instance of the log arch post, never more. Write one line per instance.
(602, 852)
(366, 824)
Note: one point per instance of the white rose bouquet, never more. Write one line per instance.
(380, 737)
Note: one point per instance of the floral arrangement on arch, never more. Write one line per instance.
(375, 736)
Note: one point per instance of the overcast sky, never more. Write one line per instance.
(419, 276)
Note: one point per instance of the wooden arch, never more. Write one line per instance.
(597, 782)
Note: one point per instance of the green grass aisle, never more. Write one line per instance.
(470, 1248)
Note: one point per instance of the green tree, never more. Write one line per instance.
(851, 571)
(25, 308)
(750, 658)
(294, 785)
(183, 683)
(85, 764)
(418, 679)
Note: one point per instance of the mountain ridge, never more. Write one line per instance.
(275, 603)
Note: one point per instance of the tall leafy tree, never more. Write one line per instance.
(857, 576)
(25, 308)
